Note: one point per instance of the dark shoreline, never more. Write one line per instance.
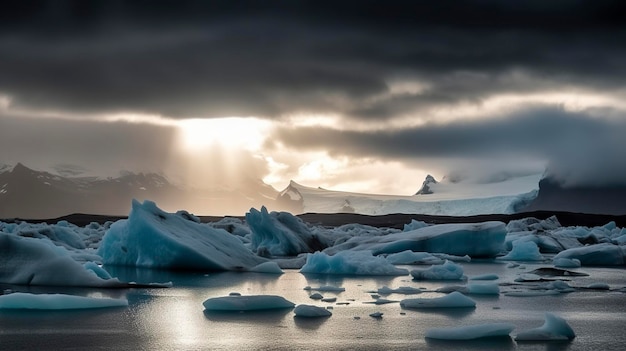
(390, 220)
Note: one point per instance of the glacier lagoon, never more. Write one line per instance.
(366, 284)
(174, 319)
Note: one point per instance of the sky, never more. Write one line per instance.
(366, 96)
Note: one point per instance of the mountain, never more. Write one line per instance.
(28, 193)
(425, 189)
(552, 196)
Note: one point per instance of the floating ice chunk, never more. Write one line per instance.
(485, 277)
(247, 303)
(267, 267)
(99, 271)
(329, 299)
(554, 328)
(311, 311)
(452, 300)
(471, 332)
(446, 271)
(599, 286)
(56, 302)
(599, 254)
(153, 238)
(350, 263)
(528, 277)
(326, 288)
(566, 262)
(316, 296)
(406, 290)
(415, 224)
(380, 301)
(410, 257)
(377, 315)
(523, 251)
(282, 234)
(558, 285)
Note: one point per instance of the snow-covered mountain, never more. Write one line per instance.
(28, 193)
(441, 198)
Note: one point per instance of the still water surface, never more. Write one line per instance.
(174, 318)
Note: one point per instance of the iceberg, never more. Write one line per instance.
(471, 332)
(553, 329)
(247, 303)
(452, 300)
(153, 238)
(475, 240)
(350, 263)
(523, 251)
(29, 261)
(281, 234)
(446, 271)
(56, 302)
(311, 311)
(596, 255)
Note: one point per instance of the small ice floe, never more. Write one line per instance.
(316, 296)
(446, 271)
(267, 267)
(557, 272)
(452, 300)
(566, 262)
(553, 329)
(329, 299)
(406, 290)
(234, 294)
(472, 288)
(485, 277)
(326, 288)
(381, 301)
(598, 286)
(311, 311)
(471, 332)
(247, 303)
(29, 301)
(375, 296)
(377, 315)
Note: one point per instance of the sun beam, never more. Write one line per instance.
(227, 133)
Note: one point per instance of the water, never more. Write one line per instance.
(174, 319)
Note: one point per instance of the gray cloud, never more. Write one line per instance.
(579, 149)
(199, 58)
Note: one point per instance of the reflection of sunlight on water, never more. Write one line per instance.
(171, 322)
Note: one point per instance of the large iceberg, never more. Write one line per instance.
(153, 238)
(281, 234)
(29, 261)
(474, 239)
(446, 271)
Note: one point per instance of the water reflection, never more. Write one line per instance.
(310, 323)
(500, 343)
(248, 317)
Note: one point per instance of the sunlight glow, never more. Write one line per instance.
(230, 132)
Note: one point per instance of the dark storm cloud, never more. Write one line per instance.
(202, 58)
(579, 149)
